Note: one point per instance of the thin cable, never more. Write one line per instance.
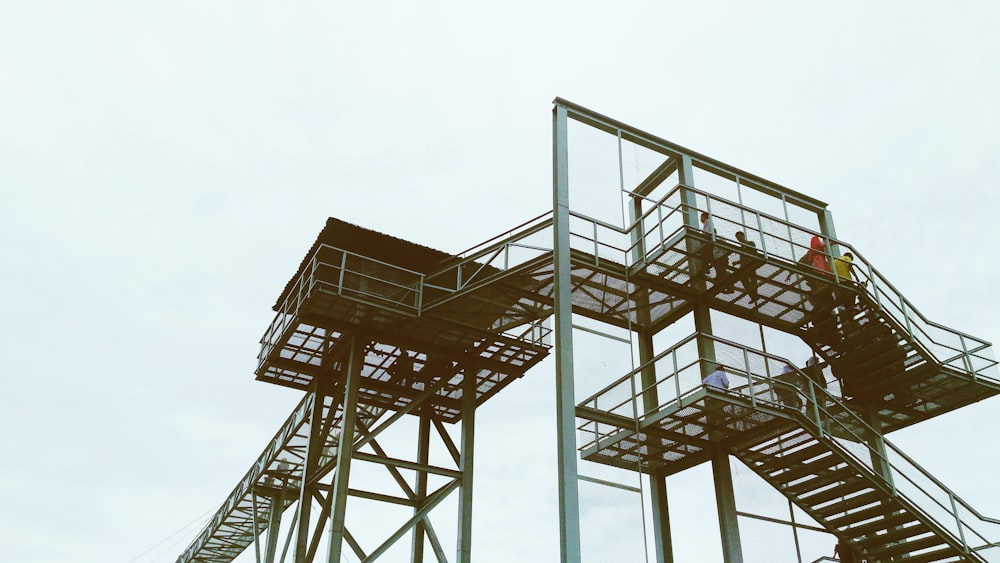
(164, 540)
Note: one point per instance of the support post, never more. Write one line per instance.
(314, 446)
(423, 447)
(702, 314)
(657, 481)
(725, 501)
(466, 465)
(274, 524)
(569, 496)
(880, 456)
(725, 498)
(650, 399)
(345, 448)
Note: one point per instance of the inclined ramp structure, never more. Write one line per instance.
(378, 331)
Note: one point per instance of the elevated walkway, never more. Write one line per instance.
(793, 433)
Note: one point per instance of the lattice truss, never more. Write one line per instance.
(253, 515)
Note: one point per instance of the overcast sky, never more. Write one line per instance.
(164, 166)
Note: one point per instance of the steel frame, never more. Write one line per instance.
(559, 264)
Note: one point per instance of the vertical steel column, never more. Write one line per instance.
(274, 523)
(879, 455)
(725, 501)
(466, 465)
(423, 449)
(313, 449)
(345, 449)
(657, 481)
(569, 496)
(650, 400)
(725, 498)
(826, 223)
(702, 313)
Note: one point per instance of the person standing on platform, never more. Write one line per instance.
(787, 388)
(715, 409)
(750, 280)
(817, 254)
(708, 251)
(717, 378)
(815, 372)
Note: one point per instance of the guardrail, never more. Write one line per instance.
(339, 272)
(770, 381)
(663, 221)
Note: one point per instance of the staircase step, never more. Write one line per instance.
(905, 547)
(844, 476)
(887, 516)
(792, 458)
(948, 553)
(892, 534)
(822, 465)
(842, 506)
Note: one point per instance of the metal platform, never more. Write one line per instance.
(797, 436)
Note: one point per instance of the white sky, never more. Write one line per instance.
(164, 166)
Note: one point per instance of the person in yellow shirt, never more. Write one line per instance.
(844, 266)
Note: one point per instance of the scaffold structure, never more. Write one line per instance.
(688, 269)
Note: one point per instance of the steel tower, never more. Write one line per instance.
(689, 266)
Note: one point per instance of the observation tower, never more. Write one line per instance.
(668, 264)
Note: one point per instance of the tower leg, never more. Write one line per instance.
(466, 466)
(725, 500)
(569, 494)
(423, 447)
(313, 448)
(274, 525)
(345, 449)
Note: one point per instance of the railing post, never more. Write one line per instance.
(760, 232)
(746, 364)
(343, 270)
(420, 295)
(677, 377)
(812, 397)
(958, 522)
(659, 226)
(966, 358)
(906, 316)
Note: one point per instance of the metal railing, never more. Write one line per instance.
(675, 379)
(663, 223)
(491, 259)
(340, 272)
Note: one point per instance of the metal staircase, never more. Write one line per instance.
(887, 356)
(804, 441)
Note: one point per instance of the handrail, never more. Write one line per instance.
(897, 306)
(737, 359)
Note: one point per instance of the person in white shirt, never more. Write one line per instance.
(717, 378)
